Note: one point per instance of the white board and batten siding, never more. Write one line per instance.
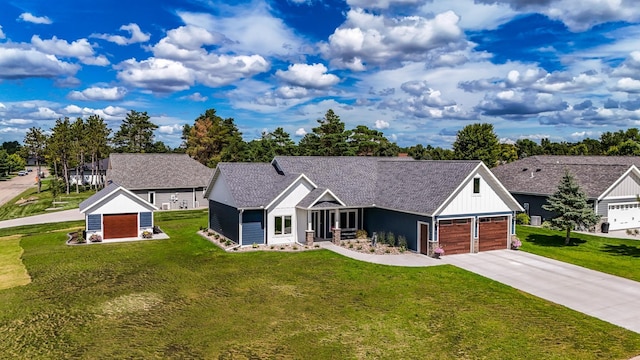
(120, 203)
(466, 202)
(285, 205)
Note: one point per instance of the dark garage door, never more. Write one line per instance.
(120, 226)
(455, 236)
(493, 233)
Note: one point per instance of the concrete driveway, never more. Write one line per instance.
(12, 188)
(607, 297)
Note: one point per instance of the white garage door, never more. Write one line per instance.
(624, 216)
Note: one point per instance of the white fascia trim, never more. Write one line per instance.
(293, 183)
(631, 169)
(133, 196)
(323, 194)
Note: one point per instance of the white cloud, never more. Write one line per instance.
(55, 46)
(381, 124)
(301, 132)
(170, 129)
(99, 94)
(44, 113)
(2, 35)
(291, 92)
(28, 17)
(628, 85)
(578, 18)
(309, 76)
(195, 97)
(381, 4)
(367, 38)
(159, 75)
(16, 122)
(109, 113)
(250, 28)
(18, 63)
(135, 35)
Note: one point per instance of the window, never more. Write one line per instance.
(348, 219)
(151, 197)
(476, 185)
(283, 225)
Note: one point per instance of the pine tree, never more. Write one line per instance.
(570, 203)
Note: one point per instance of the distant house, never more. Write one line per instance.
(168, 181)
(611, 184)
(458, 205)
(116, 213)
(88, 175)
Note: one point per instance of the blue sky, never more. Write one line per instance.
(416, 70)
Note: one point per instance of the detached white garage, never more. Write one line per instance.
(116, 213)
(624, 216)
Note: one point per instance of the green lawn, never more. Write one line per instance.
(12, 271)
(619, 257)
(16, 208)
(184, 298)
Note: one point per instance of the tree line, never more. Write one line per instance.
(212, 139)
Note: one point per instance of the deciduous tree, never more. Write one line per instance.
(477, 142)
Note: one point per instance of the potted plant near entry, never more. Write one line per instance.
(438, 252)
(516, 244)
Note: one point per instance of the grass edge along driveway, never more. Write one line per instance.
(620, 257)
(12, 271)
(185, 298)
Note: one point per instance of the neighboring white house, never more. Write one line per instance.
(168, 181)
(115, 213)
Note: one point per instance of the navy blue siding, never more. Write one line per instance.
(252, 227)
(146, 219)
(224, 219)
(396, 222)
(94, 222)
(535, 205)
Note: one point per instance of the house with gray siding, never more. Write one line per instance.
(611, 183)
(168, 181)
(458, 205)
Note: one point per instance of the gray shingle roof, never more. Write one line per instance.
(157, 171)
(414, 186)
(542, 174)
(95, 198)
(419, 186)
(253, 185)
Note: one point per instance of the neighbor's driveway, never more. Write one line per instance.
(607, 297)
(12, 188)
(51, 217)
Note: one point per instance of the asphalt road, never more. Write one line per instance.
(12, 188)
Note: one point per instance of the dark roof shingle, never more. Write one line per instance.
(542, 174)
(157, 171)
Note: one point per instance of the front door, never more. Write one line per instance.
(424, 238)
(318, 224)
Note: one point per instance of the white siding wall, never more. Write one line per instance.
(301, 216)
(285, 205)
(120, 204)
(466, 202)
(628, 187)
(221, 193)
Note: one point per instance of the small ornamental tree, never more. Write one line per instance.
(569, 202)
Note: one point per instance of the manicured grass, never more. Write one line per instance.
(42, 201)
(12, 271)
(184, 298)
(619, 257)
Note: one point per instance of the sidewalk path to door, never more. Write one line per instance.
(53, 217)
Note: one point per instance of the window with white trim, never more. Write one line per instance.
(283, 225)
(151, 197)
(476, 185)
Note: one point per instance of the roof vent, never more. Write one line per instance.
(525, 169)
(538, 170)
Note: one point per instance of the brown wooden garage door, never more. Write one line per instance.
(493, 233)
(120, 226)
(455, 236)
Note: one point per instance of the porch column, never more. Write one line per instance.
(336, 228)
(310, 232)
